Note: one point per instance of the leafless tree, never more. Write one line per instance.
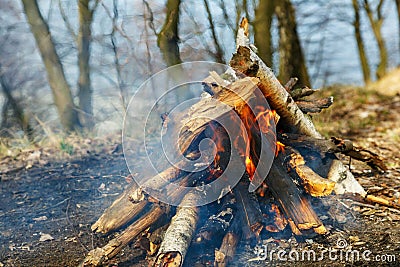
(61, 90)
(360, 43)
(376, 22)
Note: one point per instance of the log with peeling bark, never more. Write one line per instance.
(246, 61)
(180, 233)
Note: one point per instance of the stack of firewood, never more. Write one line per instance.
(304, 166)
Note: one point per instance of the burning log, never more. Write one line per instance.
(189, 125)
(312, 183)
(298, 210)
(246, 61)
(249, 210)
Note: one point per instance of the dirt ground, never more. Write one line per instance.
(49, 199)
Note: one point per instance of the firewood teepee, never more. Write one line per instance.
(167, 232)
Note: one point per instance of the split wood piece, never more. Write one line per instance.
(180, 232)
(173, 194)
(188, 125)
(217, 224)
(314, 106)
(373, 160)
(120, 212)
(246, 61)
(373, 200)
(298, 210)
(312, 183)
(98, 256)
(224, 255)
(249, 209)
(334, 145)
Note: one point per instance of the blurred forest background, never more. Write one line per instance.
(71, 66)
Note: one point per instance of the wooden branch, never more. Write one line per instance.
(322, 146)
(299, 93)
(291, 83)
(373, 160)
(132, 201)
(179, 233)
(314, 106)
(98, 256)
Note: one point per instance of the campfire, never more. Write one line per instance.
(279, 159)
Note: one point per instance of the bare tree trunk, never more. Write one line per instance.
(219, 54)
(291, 61)
(168, 39)
(398, 17)
(262, 30)
(22, 119)
(55, 72)
(360, 43)
(84, 83)
(376, 25)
